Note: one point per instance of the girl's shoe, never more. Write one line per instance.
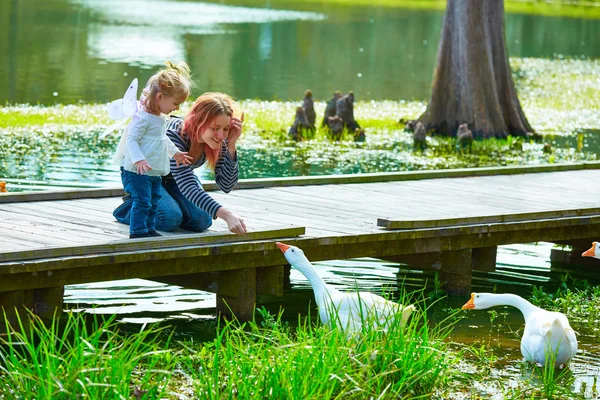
(139, 235)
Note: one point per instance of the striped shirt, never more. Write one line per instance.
(226, 170)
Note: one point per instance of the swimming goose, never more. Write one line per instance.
(544, 330)
(349, 309)
(593, 252)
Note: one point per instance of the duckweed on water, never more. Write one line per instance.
(59, 145)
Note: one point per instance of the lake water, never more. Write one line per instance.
(70, 51)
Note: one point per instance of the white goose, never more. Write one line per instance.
(544, 330)
(350, 309)
(593, 251)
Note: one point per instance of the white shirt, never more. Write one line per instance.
(146, 138)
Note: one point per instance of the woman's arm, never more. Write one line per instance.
(226, 170)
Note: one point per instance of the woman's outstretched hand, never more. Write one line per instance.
(235, 131)
(234, 223)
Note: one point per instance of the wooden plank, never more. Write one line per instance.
(35, 238)
(147, 244)
(390, 223)
(54, 228)
(316, 180)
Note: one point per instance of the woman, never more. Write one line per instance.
(208, 134)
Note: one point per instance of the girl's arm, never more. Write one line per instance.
(135, 133)
(180, 157)
(226, 170)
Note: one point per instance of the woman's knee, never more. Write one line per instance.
(199, 221)
(168, 215)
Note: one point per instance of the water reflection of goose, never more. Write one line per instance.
(544, 330)
(350, 309)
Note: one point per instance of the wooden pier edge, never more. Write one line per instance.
(313, 180)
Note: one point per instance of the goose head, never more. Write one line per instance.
(294, 255)
(593, 251)
(480, 301)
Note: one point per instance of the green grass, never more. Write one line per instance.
(264, 358)
(271, 360)
(75, 360)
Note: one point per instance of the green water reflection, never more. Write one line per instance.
(68, 51)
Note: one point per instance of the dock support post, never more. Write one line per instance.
(48, 302)
(270, 280)
(13, 305)
(484, 258)
(240, 284)
(455, 270)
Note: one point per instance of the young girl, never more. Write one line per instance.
(145, 150)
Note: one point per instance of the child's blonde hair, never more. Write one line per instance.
(204, 110)
(174, 80)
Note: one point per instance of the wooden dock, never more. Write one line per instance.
(451, 221)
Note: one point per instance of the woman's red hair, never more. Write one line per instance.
(204, 110)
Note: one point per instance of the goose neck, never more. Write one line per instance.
(516, 301)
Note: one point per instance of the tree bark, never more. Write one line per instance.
(472, 81)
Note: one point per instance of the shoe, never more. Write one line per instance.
(138, 235)
(153, 234)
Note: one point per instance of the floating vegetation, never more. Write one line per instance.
(60, 145)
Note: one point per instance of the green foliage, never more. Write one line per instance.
(75, 360)
(578, 300)
(270, 360)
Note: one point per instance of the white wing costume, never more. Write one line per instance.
(123, 109)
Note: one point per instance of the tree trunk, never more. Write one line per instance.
(472, 81)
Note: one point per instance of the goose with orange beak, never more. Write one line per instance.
(593, 251)
(346, 310)
(547, 335)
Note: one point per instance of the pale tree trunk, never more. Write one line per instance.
(472, 81)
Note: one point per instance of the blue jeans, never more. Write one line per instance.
(174, 210)
(145, 194)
